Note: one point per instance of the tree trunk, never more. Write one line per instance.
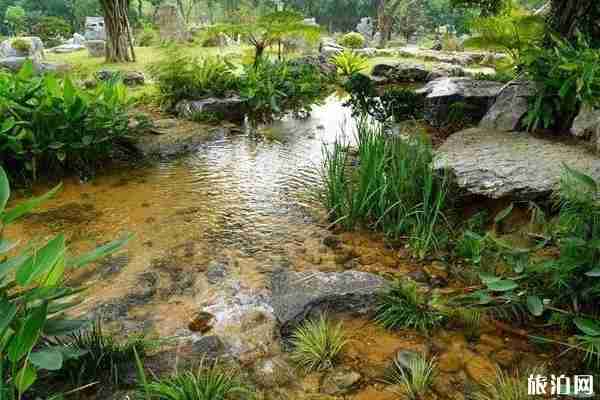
(384, 23)
(567, 17)
(119, 44)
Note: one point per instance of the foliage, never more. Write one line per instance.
(21, 45)
(353, 40)
(209, 382)
(394, 187)
(14, 18)
(567, 76)
(403, 104)
(34, 299)
(507, 386)
(102, 358)
(50, 124)
(147, 36)
(486, 7)
(416, 379)
(404, 306)
(272, 88)
(349, 63)
(180, 77)
(51, 30)
(318, 343)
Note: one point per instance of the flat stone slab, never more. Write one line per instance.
(298, 295)
(516, 165)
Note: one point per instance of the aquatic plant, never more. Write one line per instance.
(317, 344)
(34, 299)
(415, 378)
(209, 382)
(404, 306)
(102, 358)
(393, 187)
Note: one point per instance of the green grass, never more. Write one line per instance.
(404, 306)
(317, 344)
(507, 386)
(416, 379)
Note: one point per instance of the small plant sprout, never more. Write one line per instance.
(414, 376)
(318, 343)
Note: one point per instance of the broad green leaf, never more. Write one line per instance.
(50, 359)
(588, 326)
(535, 305)
(56, 274)
(503, 285)
(488, 278)
(41, 261)
(26, 207)
(595, 273)
(25, 378)
(4, 189)
(7, 313)
(99, 252)
(29, 334)
(504, 213)
(12, 263)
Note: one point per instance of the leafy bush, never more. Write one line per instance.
(147, 36)
(208, 383)
(272, 88)
(567, 76)
(403, 104)
(415, 379)
(403, 306)
(34, 299)
(50, 124)
(180, 77)
(51, 30)
(353, 40)
(349, 63)
(393, 188)
(317, 344)
(21, 45)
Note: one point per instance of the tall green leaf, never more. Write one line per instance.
(4, 189)
(27, 206)
(42, 261)
(99, 252)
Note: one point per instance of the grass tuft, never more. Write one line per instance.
(507, 386)
(416, 379)
(317, 344)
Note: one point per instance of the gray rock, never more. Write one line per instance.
(413, 72)
(129, 78)
(404, 359)
(67, 48)
(96, 48)
(587, 123)
(298, 295)
(14, 64)
(209, 347)
(320, 61)
(273, 372)
(230, 108)
(329, 49)
(367, 52)
(35, 52)
(444, 95)
(340, 382)
(216, 272)
(78, 39)
(510, 107)
(510, 164)
(95, 29)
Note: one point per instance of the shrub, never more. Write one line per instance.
(353, 40)
(416, 378)
(393, 188)
(51, 30)
(317, 344)
(147, 36)
(34, 299)
(349, 63)
(567, 76)
(272, 88)
(21, 45)
(180, 77)
(507, 386)
(208, 383)
(49, 124)
(403, 306)
(402, 104)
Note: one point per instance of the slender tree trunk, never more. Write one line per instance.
(567, 17)
(119, 44)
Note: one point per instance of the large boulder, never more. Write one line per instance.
(298, 295)
(34, 50)
(509, 108)
(515, 165)
(14, 64)
(403, 72)
(229, 108)
(67, 48)
(329, 49)
(447, 99)
(320, 61)
(587, 123)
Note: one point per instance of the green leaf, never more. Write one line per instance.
(488, 278)
(7, 313)
(595, 273)
(29, 334)
(4, 189)
(99, 252)
(28, 206)
(503, 285)
(504, 213)
(25, 378)
(12, 263)
(41, 261)
(50, 359)
(535, 305)
(588, 326)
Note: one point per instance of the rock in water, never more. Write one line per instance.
(443, 97)
(511, 105)
(298, 295)
(413, 72)
(517, 165)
